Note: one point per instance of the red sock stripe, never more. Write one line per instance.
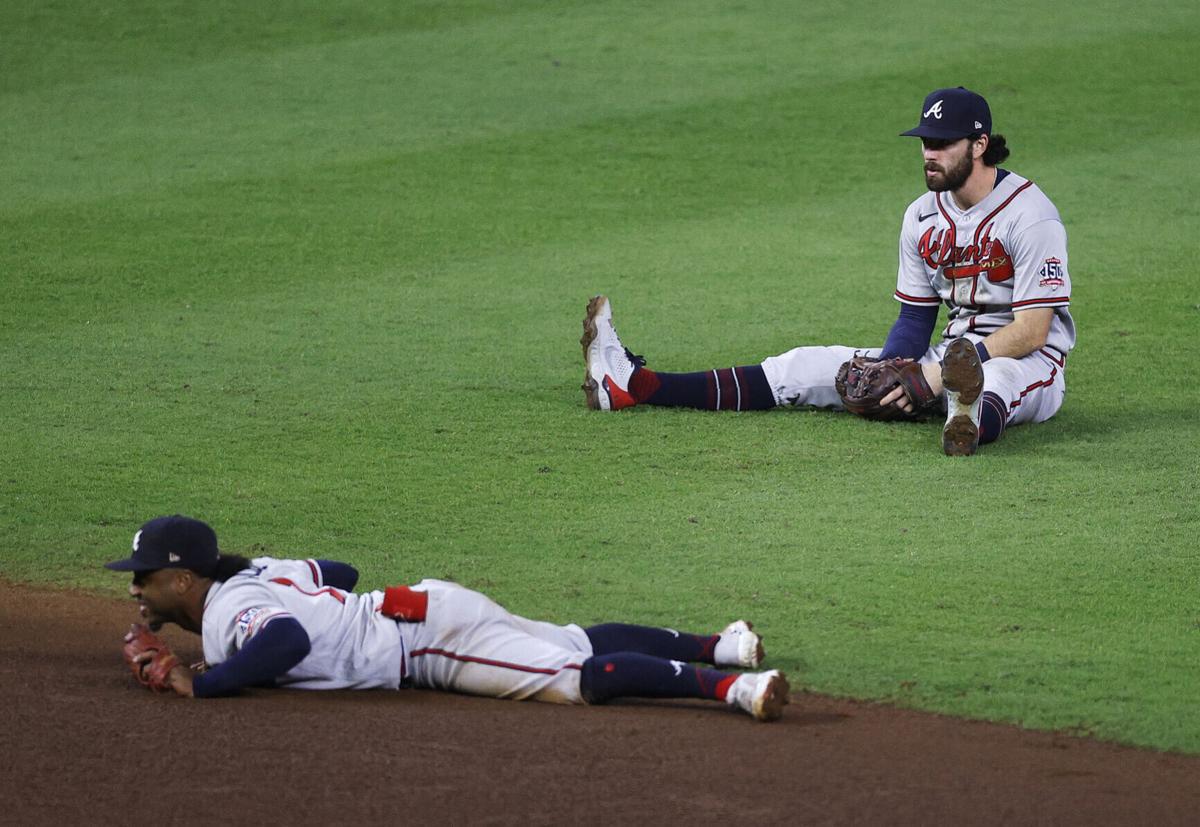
(643, 384)
(726, 390)
(722, 690)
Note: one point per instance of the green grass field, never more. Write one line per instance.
(317, 277)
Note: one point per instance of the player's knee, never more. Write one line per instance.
(591, 682)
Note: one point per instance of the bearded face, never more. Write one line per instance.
(948, 164)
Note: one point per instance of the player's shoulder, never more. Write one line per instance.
(1032, 202)
(264, 570)
(923, 204)
(920, 210)
(276, 568)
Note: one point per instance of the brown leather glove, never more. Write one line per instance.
(863, 382)
(153, 670)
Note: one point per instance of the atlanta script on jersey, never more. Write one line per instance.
(1006, 254)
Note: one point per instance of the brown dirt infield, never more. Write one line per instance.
(81, 742)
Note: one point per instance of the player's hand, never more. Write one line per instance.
(178, 679)
(932, 372)
(153, 663)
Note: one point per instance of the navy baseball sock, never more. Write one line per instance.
(992, 418)
(608, 638)
(726, 389)
(634, 675)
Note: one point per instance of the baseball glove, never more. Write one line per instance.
(153, 671)
(863, 382)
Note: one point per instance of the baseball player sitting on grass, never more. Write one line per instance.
(299, 624)
(984, 241)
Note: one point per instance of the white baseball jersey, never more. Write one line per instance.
(466, 642)
(1005, 254)
(353, 645)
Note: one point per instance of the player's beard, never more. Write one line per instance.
(952, 178)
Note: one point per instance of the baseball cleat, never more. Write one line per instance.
(737, 645)
(609, 363)
(962, 376)
(762, 694)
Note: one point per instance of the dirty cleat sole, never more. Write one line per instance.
(962, 377)
(960, 437)
(597, 307)
(769, 703)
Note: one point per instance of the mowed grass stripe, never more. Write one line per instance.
(313, 102)
(622, 169)
(49, 45)
(310, 103)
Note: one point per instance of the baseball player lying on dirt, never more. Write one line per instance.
(299, 624)
(984, 241)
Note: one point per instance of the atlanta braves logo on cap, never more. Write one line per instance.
(950, 114)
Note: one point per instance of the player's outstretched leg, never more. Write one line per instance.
(735, 645)
(962, 376)
(615, 378)
(635, 675)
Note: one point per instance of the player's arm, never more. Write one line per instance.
(1023, 335)
(1037, 290)
(919, 307)
(279, 646)
(909, 336)
(919, 302)
(339, 575)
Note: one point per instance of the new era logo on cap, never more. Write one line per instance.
(950, 114)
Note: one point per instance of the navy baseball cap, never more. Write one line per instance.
(175, 542)
(950, 114)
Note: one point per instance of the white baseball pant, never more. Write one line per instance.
(469, 643)
(1032, 387)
